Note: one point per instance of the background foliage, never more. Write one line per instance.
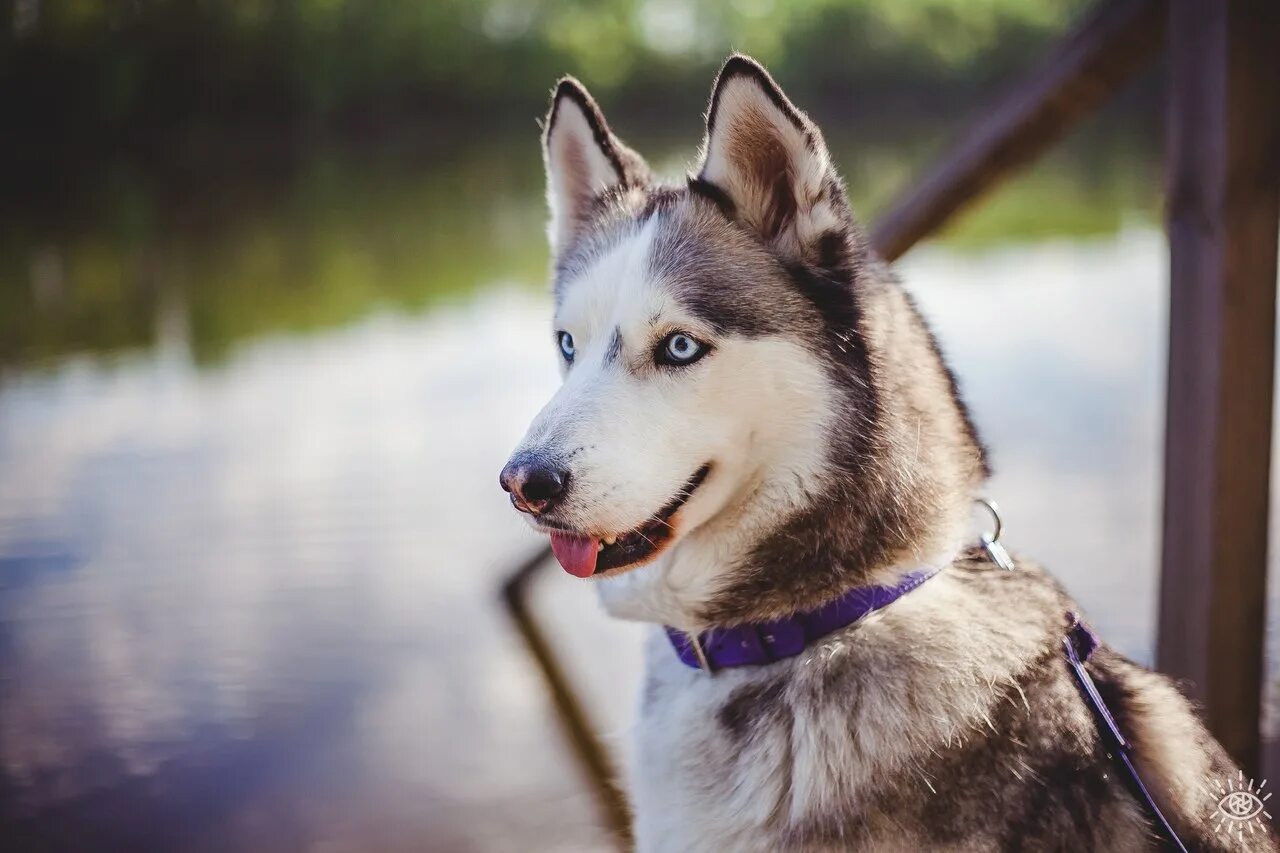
(263, 165)
(69, 67)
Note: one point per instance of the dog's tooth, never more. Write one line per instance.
(610, 540)
(599, 546)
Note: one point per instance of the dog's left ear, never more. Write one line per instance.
(770, 163)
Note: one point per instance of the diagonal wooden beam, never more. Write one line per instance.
(1223, 221)
(1117, 39)
(591, 753)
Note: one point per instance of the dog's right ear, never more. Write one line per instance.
(583, 159)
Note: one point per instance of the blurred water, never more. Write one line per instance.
(251, 538)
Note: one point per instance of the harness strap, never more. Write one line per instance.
(1080, 643)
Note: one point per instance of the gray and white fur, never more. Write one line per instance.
(838, 454)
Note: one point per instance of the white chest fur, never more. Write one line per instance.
(762, 758)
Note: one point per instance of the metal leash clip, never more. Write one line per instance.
(991, 543)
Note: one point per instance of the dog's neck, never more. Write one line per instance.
(692, 587)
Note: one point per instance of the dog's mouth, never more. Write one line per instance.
(584, 556)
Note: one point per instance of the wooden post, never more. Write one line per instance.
(1223, 197)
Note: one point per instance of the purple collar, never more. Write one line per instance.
(759, 643)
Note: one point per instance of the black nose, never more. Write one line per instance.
(534, 484)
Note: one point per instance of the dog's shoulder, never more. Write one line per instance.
(1186, 770)
(1180, 763)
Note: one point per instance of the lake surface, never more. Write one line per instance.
(251, 541)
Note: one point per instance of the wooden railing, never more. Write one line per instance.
(1116, 40)
(1223, 215)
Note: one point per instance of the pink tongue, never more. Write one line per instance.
(576, 553)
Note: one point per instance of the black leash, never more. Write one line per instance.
(1080, 644)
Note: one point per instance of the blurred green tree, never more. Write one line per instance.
(71, 67)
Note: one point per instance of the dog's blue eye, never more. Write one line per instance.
(566, 346)
(679, 349)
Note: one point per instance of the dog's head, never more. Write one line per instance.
(723, 385)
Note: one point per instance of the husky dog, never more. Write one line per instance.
(756, 420)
